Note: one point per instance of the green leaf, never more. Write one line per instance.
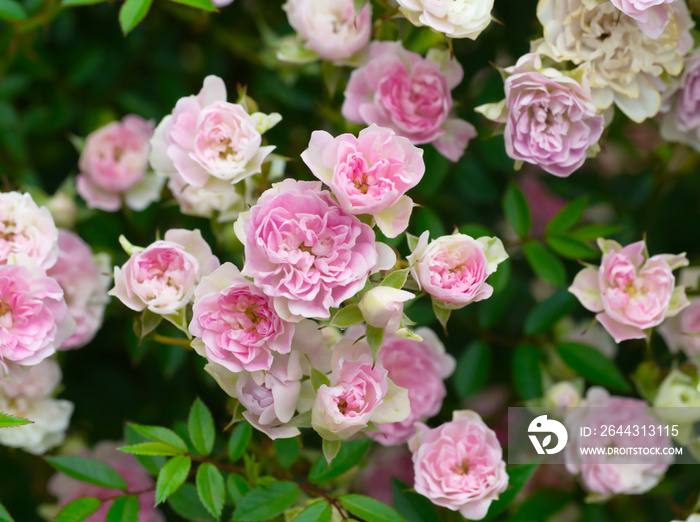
(152, 464)
(593, 365)
(204, 5)
(4, 515)
(369, 509)
(375, 336)
(146, 323)
(318, 379)
(8, 421)
(347, 316)
(237, 487)
(185, 502)
(12, 11)
(473, 369)
(595, 231)
(88, 470)
(350, 454)
(541, 505)
(318, 512)
(567, 217)
(475, 230)
(124, 509)
(358, 5)
(527, 375)
(545, 314)
(210, 488)
(151, 448)
(544, 263)
(571, 247)
(500, 278)
(442, 314)
(411, 505)
(200, 425)
(330, 449)
(516, 210)
(76, 3)
(160, 434)
(396, 279)
(266, 502)
(132, 12)
(78, 510)
(518, 476)
(287, 451)
(171, 477)
(240, 438)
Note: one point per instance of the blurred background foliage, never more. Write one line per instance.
(67, 71)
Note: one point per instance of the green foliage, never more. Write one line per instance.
(412, 506)
(124, 509)
(266, 502)
(369, 509)
(375, 336)
(4, 515)
(287, 451)
(172, 476)
(350, 453)
(12, 11)
(472, 370)
(396, 279)
(163, 435)
(318, 512)
(517, 211)
(544, 263)
(237, 487)
(567, 217)
(545, 314)
(527, 375)
(347, 316)
(239, 440)
(185, 502)
(518, 476)
(9, 421)
(88, 470)
(132, 13)
(591, 364)
(78, 510)
(210, 488)
(204, 5)
(200, 425)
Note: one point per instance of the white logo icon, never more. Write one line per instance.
(542, 424)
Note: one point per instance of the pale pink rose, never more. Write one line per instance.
(652, 16)
(369, 174)
(683, 330)
(453, 269)
(51, 418)
(31, 382)
(384, 464)
(218, 198)
(360, 392)
(163, 276)
(113, 166)
(330, 28)
(207, 137)
(457, 19)
(305, 252)
(420, 367)
(84, 283)
(382, 307)
(137, 479)
(28, 229)
(618, 474)
(237, 323)
(459, 465)
(410, 94)
(34, 318)
(681, 123)
(630, 291)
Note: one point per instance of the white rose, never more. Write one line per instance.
(454, 18)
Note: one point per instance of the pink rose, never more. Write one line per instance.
(459, 465)
(681, 123)
(615, 474)
(369, 174)
(631, 292)
(163, 276)
(683, 330)
(84, 283)
(113, 166)
(34, 318)
(420, 367)
(137, 479)
(28, 229)
(550, 118)
(384, 464)
(410, 94)
(30, 382)
(305, 252)
(359, 393)
(330, 28)
(207, 137)
(453, 269)
(237, 323)
(652, 16)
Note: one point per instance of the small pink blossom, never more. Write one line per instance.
(369, 174)
(84, 283)
(683, 330)
(30, 382)
(630, 291)
(453, 269)
(207, 137)
(113, 166)
(385, 464)
(137, 479)
(420, 367)
(330, 28)
(237, 323)
(410, 94)
(34, 318)
(617, 474)
(305, 252)
(459, 465)
(382, 307)
(681, 123)
(163, 276)
(652, 16)
(26, 228)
